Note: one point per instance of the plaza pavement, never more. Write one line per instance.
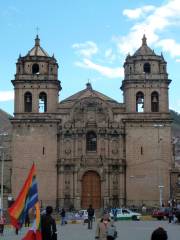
(127, 230)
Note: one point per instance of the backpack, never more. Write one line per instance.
(111, 231)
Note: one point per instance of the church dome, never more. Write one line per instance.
(144, 50)
(37, 50)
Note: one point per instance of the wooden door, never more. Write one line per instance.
(91, 190)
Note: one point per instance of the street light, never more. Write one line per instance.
(2, 175)
(158, 126)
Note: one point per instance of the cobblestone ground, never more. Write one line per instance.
(127, 230)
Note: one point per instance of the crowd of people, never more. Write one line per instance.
(105, 228)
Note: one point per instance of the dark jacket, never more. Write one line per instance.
(90, 211)
(63, 213)
(48, 227)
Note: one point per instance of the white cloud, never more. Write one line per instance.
(169, 45)
(110, 55)
(103, 70)
(89, 49)
(86, 49)
(177, 60)
(138, 12)
(160, 18)
(6, 96)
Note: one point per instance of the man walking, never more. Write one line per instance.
(63, 216)
(90, 211)
(48, 225)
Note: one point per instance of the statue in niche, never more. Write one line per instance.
(114, 147)
(67, 147)
(79, 146)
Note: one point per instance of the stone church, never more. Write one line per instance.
(89, 148)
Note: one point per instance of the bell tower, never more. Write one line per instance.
(147, 127)
(145, 86)
(36, 85)
(35, 125)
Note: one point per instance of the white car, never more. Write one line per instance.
(125, 214)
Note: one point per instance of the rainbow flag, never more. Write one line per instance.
(27, 199)
(34, 232)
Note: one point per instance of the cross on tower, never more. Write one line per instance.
(37, 30)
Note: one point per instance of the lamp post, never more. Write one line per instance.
(2, 174)
(158, 126)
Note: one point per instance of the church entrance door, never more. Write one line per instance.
(91, 190)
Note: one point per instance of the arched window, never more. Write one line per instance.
(35, 68)
(91, 141)
(42, 102)
(154, 102)
(147, 68)
(139, 102)
(28, 102)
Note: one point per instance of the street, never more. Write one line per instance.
(127, 230)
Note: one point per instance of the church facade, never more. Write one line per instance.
(89, 148)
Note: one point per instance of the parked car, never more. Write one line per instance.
(83, 214)
(161, 213)
(125, 214)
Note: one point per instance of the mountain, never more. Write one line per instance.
(5, 124)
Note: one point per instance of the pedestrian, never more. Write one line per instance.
(48, 225)
(159, 234)
(63, 216)
(114, 211)
(2, 223)
(102, 226)
(144, 209)
(90, 211)
(27, 220)
(16, 231)
(170, 214)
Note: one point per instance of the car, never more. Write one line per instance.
(161, 213)
(124, 214)
(84, 215)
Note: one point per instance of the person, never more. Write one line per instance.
(90, 211)
(170, 214)
(102, 226)
(114, 211)
(63, 216)
(159, 234)
(144, 209)
(27, 221)
(48, 225)
(111, 231)
(16, 231)
(2, 223)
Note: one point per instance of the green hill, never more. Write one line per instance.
(176, 123)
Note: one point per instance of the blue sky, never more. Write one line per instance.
(90, 40)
